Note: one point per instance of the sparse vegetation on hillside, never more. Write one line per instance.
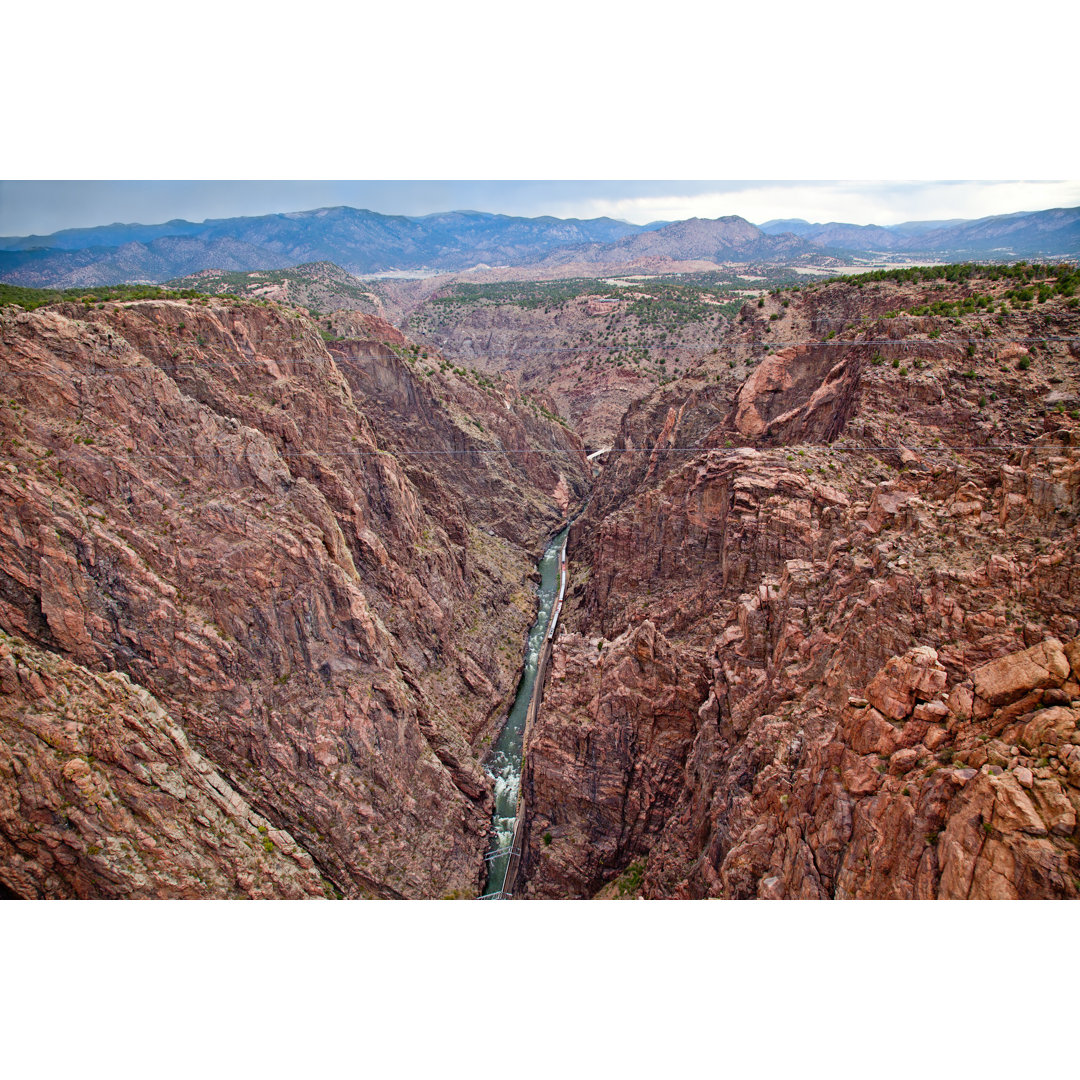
(630, 880)
(970, 297)
(621, 321)
(671, 299)
(320, 287)
(1058, 278)
(524, 294)
(35, 298)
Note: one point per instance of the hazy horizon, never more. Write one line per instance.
(29, 208)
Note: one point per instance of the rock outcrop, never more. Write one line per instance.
(868, 622)
(591, 358)
(306, 557)
(102, 795)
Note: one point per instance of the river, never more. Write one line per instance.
(504, 765)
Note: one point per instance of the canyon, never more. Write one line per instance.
(291, 575)
(266, 574)
(822, 634)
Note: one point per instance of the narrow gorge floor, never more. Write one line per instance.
(504, 765)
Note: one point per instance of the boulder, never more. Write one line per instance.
(859, 776)
(1013, 809)
(903, 761)
(1010, 677)
(1072, 654)
(1054, 807)
(915, 676)
(1054, 725)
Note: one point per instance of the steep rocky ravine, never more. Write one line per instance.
(255, 643)
(263, 597)
(832, 651)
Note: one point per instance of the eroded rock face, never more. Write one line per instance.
(1009, 678)
(564, 351)
(293, 551)
(102, 796)
(886, 624)
(922, 805)
(618, 720)
(802, 394)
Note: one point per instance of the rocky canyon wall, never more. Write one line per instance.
(833, 652)
(263, 601)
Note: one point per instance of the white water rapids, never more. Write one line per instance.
(504, 765)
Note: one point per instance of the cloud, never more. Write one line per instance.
(46, 206)
(858, 202)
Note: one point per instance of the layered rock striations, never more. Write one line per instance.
(833, 651)
(594, 346)
(307, 576)
(103, 795)
(264, 582)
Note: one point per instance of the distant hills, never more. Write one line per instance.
(1046, 233)
(726, 239)
(361, 241)
(365, 242)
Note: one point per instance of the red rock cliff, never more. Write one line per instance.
(312, 622)
(842, 662)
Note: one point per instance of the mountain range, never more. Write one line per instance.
(361, 241)
(1046, 232)
(725, 239)
(365, 242)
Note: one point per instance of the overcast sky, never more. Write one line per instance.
(43, 207)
